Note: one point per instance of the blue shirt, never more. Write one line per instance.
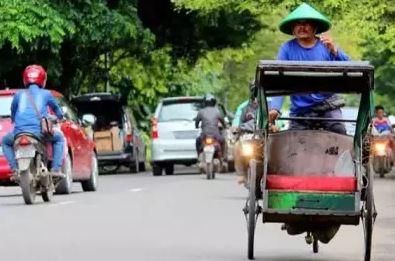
(293, 51)
(23, 114)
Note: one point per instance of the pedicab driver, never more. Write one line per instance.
(310, 43)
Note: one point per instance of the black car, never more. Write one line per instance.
(117, 138)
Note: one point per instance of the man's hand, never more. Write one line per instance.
(273, 115)
(327, 40)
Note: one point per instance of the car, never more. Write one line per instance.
(350, 113)
(115, 131)
(80, 164)
(174, 134)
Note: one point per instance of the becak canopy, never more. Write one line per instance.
(308, 13)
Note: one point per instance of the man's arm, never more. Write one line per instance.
(198, 119)
(14, 107)
(339, 56)
(54, 105)
(221, 119)
(277, 102)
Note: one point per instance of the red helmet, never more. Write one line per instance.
(35, 74)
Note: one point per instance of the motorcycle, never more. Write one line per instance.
(33, 156)
(382, 163)
(210, 157)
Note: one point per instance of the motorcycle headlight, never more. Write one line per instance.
(248, 149)
(380, 148)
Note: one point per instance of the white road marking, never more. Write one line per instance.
(62, 203)
(135, 189)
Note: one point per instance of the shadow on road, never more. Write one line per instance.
(11, 195)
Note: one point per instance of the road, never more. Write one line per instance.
(182, 217)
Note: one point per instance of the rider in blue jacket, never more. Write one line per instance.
(26, 118)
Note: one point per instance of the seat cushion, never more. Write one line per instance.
(311, 183)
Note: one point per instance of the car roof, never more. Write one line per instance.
(100, 96)
(182, 98)
(12, 92)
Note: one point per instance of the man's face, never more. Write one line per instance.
(304, 30)
(380, 113)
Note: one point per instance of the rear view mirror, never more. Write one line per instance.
(65, 110)
(88, 119)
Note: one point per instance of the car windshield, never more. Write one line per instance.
(5, 106)
(180, 110)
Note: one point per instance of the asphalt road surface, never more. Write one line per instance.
(182, 217)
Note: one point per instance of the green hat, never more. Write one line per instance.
(305, 12)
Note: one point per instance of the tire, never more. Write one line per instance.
(315, 245)
(47, 194)
(368, 215)
(231, 166)
(92, 183)
(156, 169)
(169, 169)
(382, 167)
(142, 166)
(135, 166)
(26, 183)
(209, 170)
(251, 212)
(65, 186)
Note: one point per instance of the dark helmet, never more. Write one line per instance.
(34, 74)
(210, 100)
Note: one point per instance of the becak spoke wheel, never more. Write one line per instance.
(252, 207)
(368, 214)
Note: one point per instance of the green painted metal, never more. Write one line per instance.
(317, 201)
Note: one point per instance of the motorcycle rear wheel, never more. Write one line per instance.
(28, 187)
(210, 170)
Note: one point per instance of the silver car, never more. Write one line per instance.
(174, 133)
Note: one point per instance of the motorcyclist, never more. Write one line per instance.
(25, 119)
(381, 124)
(247, 123)
(210, 117)
(382, 127)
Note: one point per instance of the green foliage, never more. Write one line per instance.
(177, 47)
(29, 24)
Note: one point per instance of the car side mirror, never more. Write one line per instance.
(88, 119)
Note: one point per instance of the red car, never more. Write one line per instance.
(80, 163)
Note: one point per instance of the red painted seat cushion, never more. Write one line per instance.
(311, 183)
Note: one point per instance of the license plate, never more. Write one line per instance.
(25, 152)
(209, 148)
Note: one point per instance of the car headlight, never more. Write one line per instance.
(380, 148)
(1, 151)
